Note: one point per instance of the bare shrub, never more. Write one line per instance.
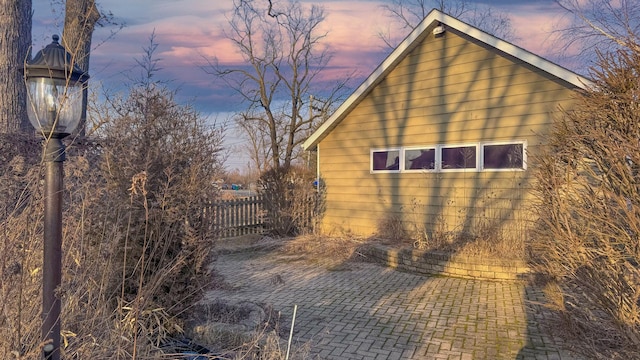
(587, 240)
(160, 163)
(135, 245)
(291, 202)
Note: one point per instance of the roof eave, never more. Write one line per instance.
(411, 41)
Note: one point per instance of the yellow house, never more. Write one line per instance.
(438, 136)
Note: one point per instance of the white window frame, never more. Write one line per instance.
(426, 147)
(479, 158)
(448, 146)
(514, 142)
(400, 155)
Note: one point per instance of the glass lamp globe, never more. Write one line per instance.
(54, 91)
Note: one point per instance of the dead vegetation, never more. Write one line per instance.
(494, 233)
(291, 203)
(330, 251)
(135, 247)
(243, 330)
(587, 243)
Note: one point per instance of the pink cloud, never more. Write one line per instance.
(353, 25)
(189, 31)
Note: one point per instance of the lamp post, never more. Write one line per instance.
(54, 107)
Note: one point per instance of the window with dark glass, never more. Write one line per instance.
(420, 159)
(503, 156)
(479, 157)
(459, 157)
(386, 160)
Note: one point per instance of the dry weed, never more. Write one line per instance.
(329, 250)
(134, 257)
(392, 229)
(587, 239)
(489, 236)
(245, 330)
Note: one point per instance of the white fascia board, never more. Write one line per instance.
(412, 40)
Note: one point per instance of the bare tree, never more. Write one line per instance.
(598, 26)
(283, 49)
(257, 145)
(407, 14)
(15, 42)
(81, 17)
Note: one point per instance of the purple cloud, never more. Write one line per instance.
(187, 30)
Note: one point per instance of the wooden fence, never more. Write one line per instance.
(236, 217)
(245, 216)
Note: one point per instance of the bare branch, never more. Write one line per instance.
(407, 14)
(284, 62)
(597, 26)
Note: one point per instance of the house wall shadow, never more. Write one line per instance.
(355, 309)
(496, 102)
(499, 314)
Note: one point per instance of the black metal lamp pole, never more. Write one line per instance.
(52, 257)
(54, 88)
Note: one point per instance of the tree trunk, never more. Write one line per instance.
(80, 19)
(15, 42)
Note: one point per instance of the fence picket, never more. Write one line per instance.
(236, 217)
(245, 216)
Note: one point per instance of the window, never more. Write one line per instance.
(459, 157)
(503, 156)
(484, 156)
(420, 159)
(385, 160)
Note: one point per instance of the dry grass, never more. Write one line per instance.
(490, 237)
(312, 248)
(327, 251)
(244, 330)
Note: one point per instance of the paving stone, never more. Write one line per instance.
(372, 312)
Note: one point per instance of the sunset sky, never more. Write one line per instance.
(188, 30)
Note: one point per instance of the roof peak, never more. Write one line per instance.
(434, 19)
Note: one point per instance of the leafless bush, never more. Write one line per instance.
(135, 248)
(291, 202)
(587, 242)
(160, 160)
(391, 228)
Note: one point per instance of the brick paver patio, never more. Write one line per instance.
(367, 311)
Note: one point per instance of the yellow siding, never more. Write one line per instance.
(449, 90)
